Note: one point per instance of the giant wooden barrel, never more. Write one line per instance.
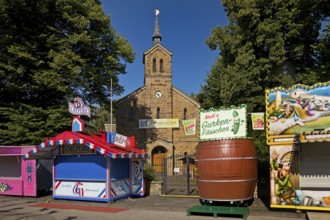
(227, 170)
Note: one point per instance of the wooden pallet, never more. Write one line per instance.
(217, 211)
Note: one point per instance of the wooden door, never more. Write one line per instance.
(158, 162)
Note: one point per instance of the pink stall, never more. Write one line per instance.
(18, 177)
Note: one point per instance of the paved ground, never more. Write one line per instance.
(149, 208)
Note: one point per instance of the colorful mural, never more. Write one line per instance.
(137, 176)
(298, 128)
(285, 184)
(298, 109)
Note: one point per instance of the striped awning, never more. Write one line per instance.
(97, 142)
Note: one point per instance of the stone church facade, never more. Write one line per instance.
(158, 100)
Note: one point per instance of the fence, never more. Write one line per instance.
(178, 175)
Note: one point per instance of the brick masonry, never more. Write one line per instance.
(143, 104)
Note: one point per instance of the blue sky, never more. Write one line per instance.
(184, 25)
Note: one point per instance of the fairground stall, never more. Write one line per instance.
(19, 177)
(97, 167)
(298, 133)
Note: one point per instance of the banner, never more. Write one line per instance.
(217, 124)
(158, 123)
(258, 121)
(189, 126)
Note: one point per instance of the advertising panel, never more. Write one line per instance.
(80, 189)
(298, 109)
(258, 121)
(217, 124)
(189, 126)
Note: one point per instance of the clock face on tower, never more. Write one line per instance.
(158, 94)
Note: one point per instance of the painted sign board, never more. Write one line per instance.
(120, 140)
(76, 149)
(306, 185)
(79, 108)
(298, 109)
(189, 126)
(223, 123)
(80, 189)
(10, 150)
(258, 120)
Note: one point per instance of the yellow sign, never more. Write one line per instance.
(158, 123)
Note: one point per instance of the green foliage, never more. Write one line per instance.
(266, 44)
(101, 116)
(51, 52)
(148, 172)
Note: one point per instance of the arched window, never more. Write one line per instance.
(185, 114)
(161, 68)
(158, 112)
(130, 113)
(154, 63)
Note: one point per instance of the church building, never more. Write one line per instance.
(162, 118)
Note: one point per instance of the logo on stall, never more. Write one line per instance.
(78, 189)
(5, 187)
(79, 108)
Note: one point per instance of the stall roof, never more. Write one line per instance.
(92, 141)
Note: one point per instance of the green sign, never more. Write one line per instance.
(223, 123)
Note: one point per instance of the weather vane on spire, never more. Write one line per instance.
(157, 36)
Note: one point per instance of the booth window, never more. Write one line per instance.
(185, 114)
(11, 166)
(158, 112)
(161, 68)
(119, 169)
(154, 63)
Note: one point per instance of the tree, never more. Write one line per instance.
(266, 44)
(50, 52)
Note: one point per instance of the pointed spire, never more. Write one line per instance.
(157, 37)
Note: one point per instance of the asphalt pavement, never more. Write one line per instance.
(153, 207)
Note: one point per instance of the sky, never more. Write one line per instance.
(184, 25)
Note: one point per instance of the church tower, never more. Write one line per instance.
(158, 68)
(158, 81)
(159, 102)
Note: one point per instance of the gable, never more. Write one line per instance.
(186, 97)
(154, 49)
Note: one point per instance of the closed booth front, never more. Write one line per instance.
(80, 177)
(21, 177)
(92, 167)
